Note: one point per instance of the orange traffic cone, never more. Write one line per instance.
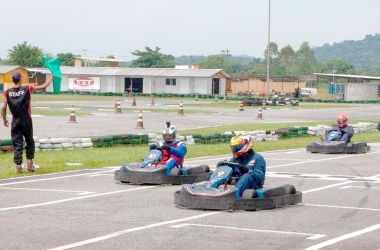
(180, 111)
(152, 102)
(241, 108)
(264, 105)
(134, 101)
(260, 114)
(118, 108)
(115, 105)
(72, 115)
(140, 121)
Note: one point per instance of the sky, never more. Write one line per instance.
(98, 28)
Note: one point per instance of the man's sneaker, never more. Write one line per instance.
(19, 169)
(30, 167)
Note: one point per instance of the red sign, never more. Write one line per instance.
(83, 81)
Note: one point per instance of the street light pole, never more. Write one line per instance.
(267, 83)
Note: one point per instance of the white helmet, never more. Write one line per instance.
(169, 133)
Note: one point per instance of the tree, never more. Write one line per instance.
(25, 55)
(216, 62)
(338, 67)
(152, 59)
(67, 59)
(287, 56)
(306, 63)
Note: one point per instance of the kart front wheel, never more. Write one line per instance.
(248, 194)
(175, 171)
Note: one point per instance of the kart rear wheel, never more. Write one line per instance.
(248, 194)
(289, 189)
(175, 172)
(199, 170)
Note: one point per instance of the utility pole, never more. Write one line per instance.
(268, 57)
(85, 54)
(226, 51)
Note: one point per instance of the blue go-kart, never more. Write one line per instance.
(150, 172)
(219, 193)
(331, 144)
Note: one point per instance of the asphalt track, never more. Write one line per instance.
(87, 209)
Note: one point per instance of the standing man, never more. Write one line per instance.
(18, 98)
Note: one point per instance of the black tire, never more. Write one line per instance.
(175, 172)
(205, 168)
(248, 194)
(197, 170)
(289, 189)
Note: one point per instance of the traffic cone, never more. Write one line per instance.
(216, 98)
(140, 121)
(241, 108)
(260, 114)
(118, 108)
(134, 101)
(264, 105)
(224, 99)
(152, 102)
(72, 115)
(180, 111)
(196, 97)
(115, 105)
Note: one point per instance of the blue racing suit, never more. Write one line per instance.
(345, 133)
(255, 178)
(172, 155)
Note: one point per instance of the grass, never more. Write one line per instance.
(55, 161)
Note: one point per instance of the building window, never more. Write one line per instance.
(171, 82)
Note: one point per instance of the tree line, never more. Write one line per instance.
(285, 61)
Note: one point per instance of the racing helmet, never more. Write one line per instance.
(342, 121)
(241, 144)
(169, 133)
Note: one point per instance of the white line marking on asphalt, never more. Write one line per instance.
(54, 178)
(326, 187)
(52, 190)
(358, 187)
(73, 199)
(116, 234)
(312, 236)
(353, 208)
(344, 237)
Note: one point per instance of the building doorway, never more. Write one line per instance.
(215, 86)
(134, 84)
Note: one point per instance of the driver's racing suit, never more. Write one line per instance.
(345, 133)
(172, 155)
(255, 178)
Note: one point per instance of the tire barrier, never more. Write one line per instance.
(150, 138)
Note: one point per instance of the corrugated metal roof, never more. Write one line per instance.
(6, 68)
(165, 72)
(349, 76)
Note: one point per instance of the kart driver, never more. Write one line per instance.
(346, 131)
(253, 176)
(173, 150)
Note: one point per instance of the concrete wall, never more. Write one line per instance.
(260, 86)
(361, 91)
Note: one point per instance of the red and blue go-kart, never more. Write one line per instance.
(219, 193)
(331, 144)
(149, 171)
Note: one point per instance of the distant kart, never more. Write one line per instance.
(332, 145)
(149, 172)
(219, 193)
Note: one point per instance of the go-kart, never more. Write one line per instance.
(149, 171)
(331, 144)
(219, 193)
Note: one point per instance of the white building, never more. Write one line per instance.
(143, 80)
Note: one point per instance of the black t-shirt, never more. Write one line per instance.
(19, 100)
